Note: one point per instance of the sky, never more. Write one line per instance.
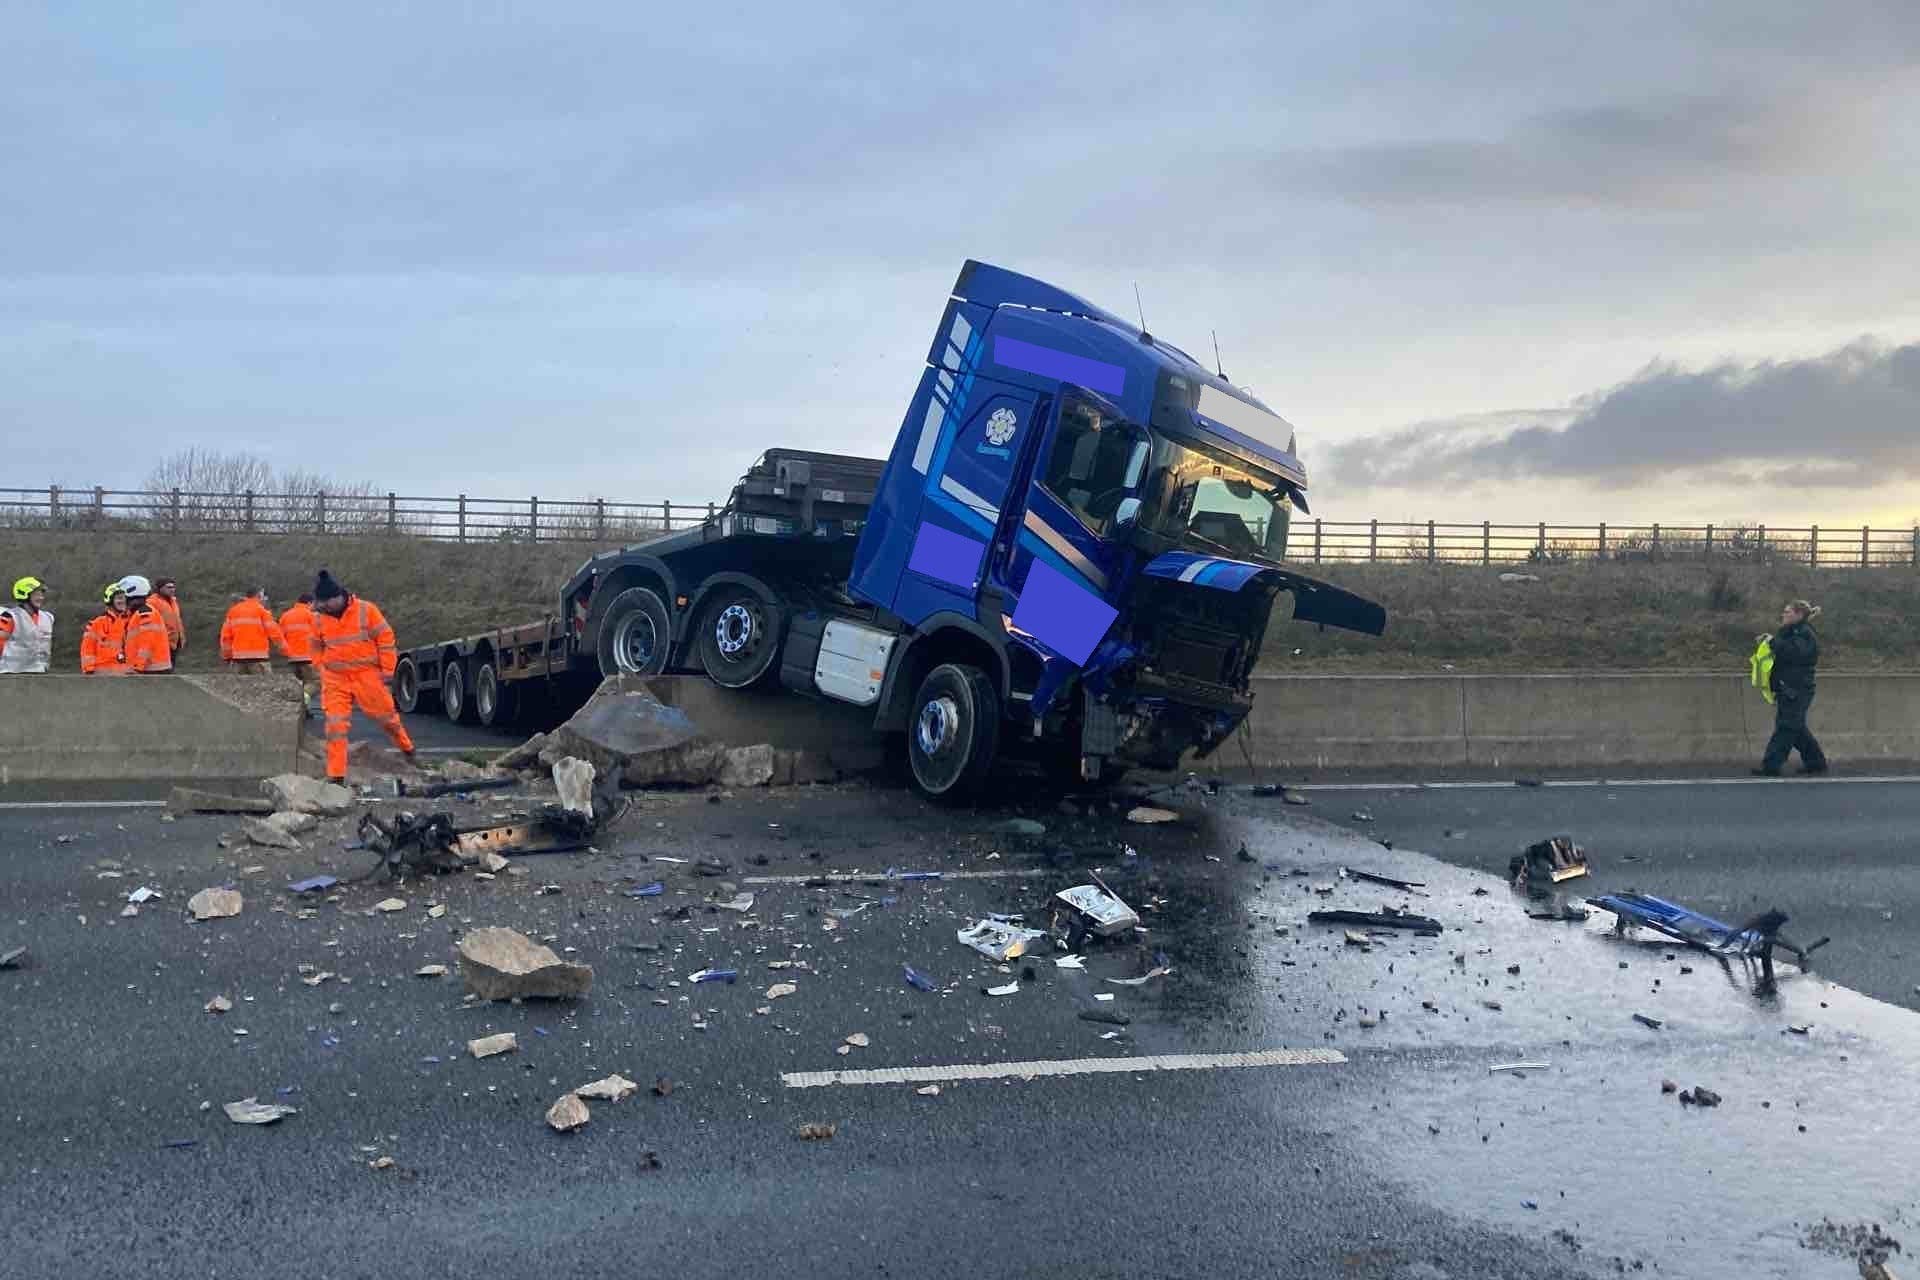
(1495, 261)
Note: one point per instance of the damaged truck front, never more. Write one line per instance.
(1072, 554)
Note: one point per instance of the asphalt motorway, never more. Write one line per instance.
(1368, 1139)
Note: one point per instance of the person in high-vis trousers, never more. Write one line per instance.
(26, 630)
(249, 635)
(296, 628)
(353, 648)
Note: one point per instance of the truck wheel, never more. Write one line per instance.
(493, 702)
(739, 635)
(636, 634)
(954, 732)
(453, 691)
(406, 686)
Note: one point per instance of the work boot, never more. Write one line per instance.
(1764, 773)
(1812, 770)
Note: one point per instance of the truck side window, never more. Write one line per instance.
(1096, 461)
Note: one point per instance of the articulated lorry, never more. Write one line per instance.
(1071, 555)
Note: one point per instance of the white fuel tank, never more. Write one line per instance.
(852, 662)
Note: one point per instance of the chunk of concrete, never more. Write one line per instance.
(488, 1046)
(573, 779)
(301, 794)
(191, 800)
(292, 823)
(462, 771)
(269, 835)
(747, 766)
(215, 904)
(524, 756)
(568, 1113)
(502, 964)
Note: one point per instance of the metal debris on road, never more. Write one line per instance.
(488, 1046)
(1757, 937)
(1377, 920)
(380, 1164)
(215, 904)
(999, 940)
(1653, 1024)
(1408, 886)
(1358, 939)
(1547, 863)
(740, 902)
(1070, 962)
(143, 894)
(431, 971)
(567, 1113)
(895, 873)
(613, 1088)
(1111, 1017)
(1097, 909)
(253, 1111)
(1158, 971)
(928, 1091)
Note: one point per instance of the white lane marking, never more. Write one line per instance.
(1590, 783)
(83, 804)
(1065, 1067)
(859, 877)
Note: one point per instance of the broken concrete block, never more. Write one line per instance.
(492, 863)
(501, 964)
(215, 904)
(461, 771)
(292, 823)
(189, 800)
(747, 766)
(612, 1089)
(487, 1046)
(573, 779)
(568, 1113)
(302, 794)
(269, 835)
(523, 756)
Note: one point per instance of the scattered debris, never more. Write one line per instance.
(858, 1040)
(1011, 988)
(1699, 1096)
(1651, 1023)
(1547, 863)
(998, 940)
(431, 971)
(567, 1113)
(487, 1046)
(492, 863)
(916, 979)
(714, 975)
(1757, 937)
(502, 964)
(1147, 815)
(928, 1091)
(1098, 910)
(380, 1164)
(189, 800)
(779, 989)
(653, 890)
(1516, 1067)
(1070, 962)
(253, 1111)
(815, 1131)
(1361, 815)
(573, 779)
(1800, 1028)
(1112, 1017)
(143, 894)
(741, 902)
(11, 959)
(219, 1004)
(301, 794)
(1408, 886)
(1564, 913)
(1668, 1086)
(1358, 939)
(390, 905)
(1377, 920)
(312, 884)
(662, 1087)
(1158, 971)
(613, 1088)
(215, 904)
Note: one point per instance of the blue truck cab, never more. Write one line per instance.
(1071, 554)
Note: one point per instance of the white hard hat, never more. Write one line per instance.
(135, 585)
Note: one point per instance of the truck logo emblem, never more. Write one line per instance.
(1001, 424)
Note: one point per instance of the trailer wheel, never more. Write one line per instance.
(453, 691)
(636, 634)
(954, 732)
(739, 637)
(406, 686)
(493, 702)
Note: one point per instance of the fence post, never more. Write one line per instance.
(1866, 547)
(174, 510)
(666, 516)
(1813, 548)
(1601, 554)
(1429, 542)
(1316, 540)
(533, 518)
(1543, 539)
(599, 519)
(1709, 542)
(53, 507)
(247, 511)
(1654, 550)
(462, 536)
(1760, 541)
(1916, 546)
(393, 513)
(1486, 542)
(99, 505)
(710, 513)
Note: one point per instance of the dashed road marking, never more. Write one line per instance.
(866, 877)
(1066, 1067)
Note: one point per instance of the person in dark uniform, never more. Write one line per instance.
(1796, 651)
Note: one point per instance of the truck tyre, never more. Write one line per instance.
(493, 702)
(453, 691)
(954, 731)
(739, 637)
(406, 686)
(636, 634)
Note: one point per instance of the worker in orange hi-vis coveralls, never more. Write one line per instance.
(354, 652)
(249, 635)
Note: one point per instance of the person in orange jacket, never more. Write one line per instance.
(165, 601)
(149, 652)
(353, 648)
(250, 634)
(296, 625)
(103, 645)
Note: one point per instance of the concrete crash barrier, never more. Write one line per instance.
(687, 731)
(146, 728)
(1508, 721)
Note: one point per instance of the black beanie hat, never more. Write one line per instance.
(325, 588)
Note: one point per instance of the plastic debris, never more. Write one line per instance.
(312, 884)
(567, 1113)
(653, 890)
(741, 902)
(219, 1004)
(1103, 913)
(816, 1131)
(1408, 886)
(431, 971)
(1070, 962)
(1377, 920)
(215, 904)
(253, 1111)
(143, 894)
(390, 905)
(928, 1091)
(916, 979)
(1105, 995)
(714, 975)
(1011, 988)
(1147, 815)
(998, 940)
(436, 911)
(1158, 971)
(613, 1088)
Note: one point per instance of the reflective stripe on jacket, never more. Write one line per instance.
(169, 612)
(26, 639)
(149, 648)
(358, 638)
(247, 632)
(296, 627)
(103, 646)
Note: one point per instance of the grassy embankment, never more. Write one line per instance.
(1579, 617)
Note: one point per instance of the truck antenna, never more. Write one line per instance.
(1144, 335)
(1220, 372)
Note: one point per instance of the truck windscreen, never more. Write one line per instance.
(1195, 494)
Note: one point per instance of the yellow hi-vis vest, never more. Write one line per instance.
(1762, 667)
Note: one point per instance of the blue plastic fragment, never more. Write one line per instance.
(330, 1042)
(540, 1031)
(1529, 1204)
(653, 890)
(313, 884)
(716, 975)
(917, 980)
(431, 1060)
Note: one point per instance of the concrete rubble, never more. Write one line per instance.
(502, 964)
(568, 1113)
(215, 904)
(271, 835)
(301, 794)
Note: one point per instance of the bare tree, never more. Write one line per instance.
(205, 489)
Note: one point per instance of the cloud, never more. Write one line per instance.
(1847, 419)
